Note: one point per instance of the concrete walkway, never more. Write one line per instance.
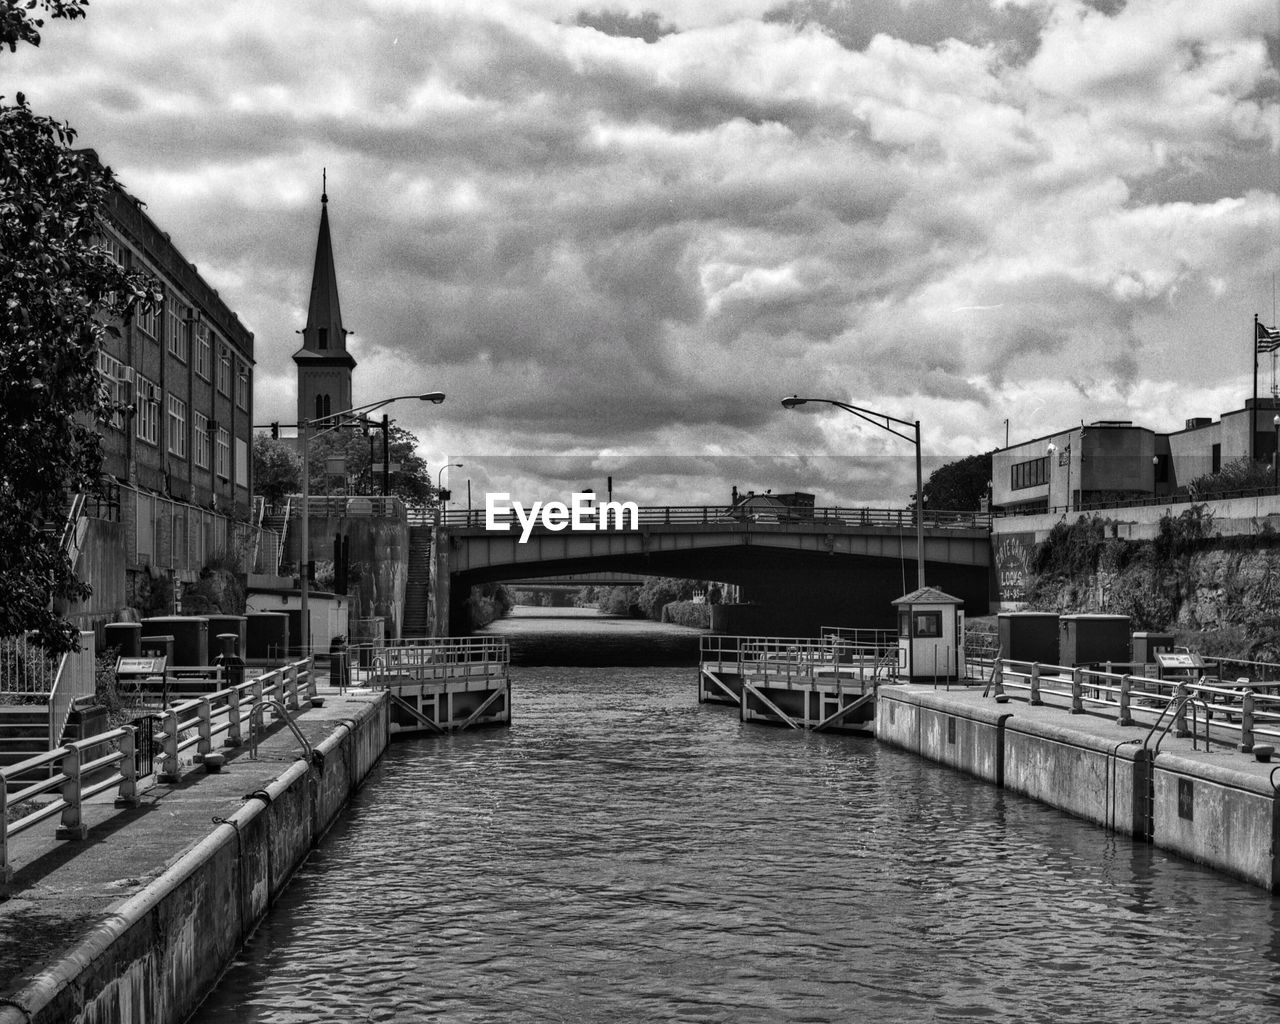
(61, 888)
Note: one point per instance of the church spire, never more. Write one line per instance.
(324, 364)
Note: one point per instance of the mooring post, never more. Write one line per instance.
(1126, 687)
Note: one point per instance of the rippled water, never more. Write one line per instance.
(622, 853)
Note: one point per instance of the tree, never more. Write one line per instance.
(61, 293)
(411, 482)
(959, 486)
(277, 470)
(17, 25)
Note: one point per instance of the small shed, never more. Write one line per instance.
(929, 634)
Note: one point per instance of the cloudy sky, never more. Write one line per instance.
(624, 232)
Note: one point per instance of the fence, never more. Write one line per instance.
(380, 664)
(173, 535)
(31, 675)
(185, 725)
(1245, 714)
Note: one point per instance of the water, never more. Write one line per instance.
(623, 854)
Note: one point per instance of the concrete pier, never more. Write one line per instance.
(1217, 807)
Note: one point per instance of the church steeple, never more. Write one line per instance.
(324, 364)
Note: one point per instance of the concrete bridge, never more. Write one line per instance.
(850, 562)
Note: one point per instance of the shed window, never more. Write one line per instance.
(928, 624)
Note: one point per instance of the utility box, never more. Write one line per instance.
(124, 636)
(1029, 636)
(1147, 645)
(1093, 639)
(190, 637)
(267, 637)
(928, 634)
(220, 624)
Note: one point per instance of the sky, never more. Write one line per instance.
(616, 236)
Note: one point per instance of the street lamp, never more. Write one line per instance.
(304, 538)
(1275, 458)
(874, 418)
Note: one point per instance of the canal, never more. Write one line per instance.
(623, 854)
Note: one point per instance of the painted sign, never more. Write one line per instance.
(1015, 553)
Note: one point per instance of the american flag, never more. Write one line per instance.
(1268, 338)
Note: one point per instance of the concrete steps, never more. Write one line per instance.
(24, 732)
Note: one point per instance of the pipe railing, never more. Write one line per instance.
(1238, 711)
(786, 658)
(386, 662)
(77, 778)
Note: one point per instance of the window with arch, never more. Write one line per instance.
(322, 406)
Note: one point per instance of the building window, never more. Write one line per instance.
(1216, 458)
(202, 352)
(177, 426)
(223, 464)
(242, 385)
(148, 411)
(1033, 473)
(177, 326)
(927, 624)
(147, 320)
(242, 462)
(200, 426)
(113, 381)
(322, 337)
(322, 407)
(224, 373)
(1162, 468)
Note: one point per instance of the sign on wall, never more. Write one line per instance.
(1014, 554)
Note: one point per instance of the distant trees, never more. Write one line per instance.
(959, 486)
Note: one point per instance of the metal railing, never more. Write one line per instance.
(76, 679)
(79, 776)
(1243, 715)
(797, 658)
(374, 664)
(26, 668)
(33, 676)
(861, 636)
(721, 515)
(340, 506)
(194, 723)
(1155, 500)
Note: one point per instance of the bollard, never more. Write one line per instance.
(291, 687)
(72, 826)
(1246, 722)
(169, 770)
(6, 872)
(1077, 691)
(127, 795)
(1034, 696)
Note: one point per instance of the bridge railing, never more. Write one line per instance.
(882, 639)
(712, 515)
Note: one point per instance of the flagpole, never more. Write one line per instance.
(1253, 415)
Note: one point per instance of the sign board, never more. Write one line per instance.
(1178, 660)
(141, 666)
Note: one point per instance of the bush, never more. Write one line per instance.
(686, 613)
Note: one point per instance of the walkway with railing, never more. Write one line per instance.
(720, 515)
(83, 769)
(772, 659)
(423, 659)
(1243, 714)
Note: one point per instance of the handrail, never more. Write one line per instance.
(256, 724)
(772, 657)
(70, 782)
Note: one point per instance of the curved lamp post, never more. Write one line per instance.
(304, 538)
(1275, 457)
(874, 418)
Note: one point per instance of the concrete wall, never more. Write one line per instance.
(1220, 817)
(162, 951)
(968, 738)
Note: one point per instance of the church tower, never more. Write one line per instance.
(324, 364)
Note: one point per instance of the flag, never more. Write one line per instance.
(1268, 338)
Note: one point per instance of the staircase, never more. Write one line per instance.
(277, 519)
(417, 594)
(24, 732)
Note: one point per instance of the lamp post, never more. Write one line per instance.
(1275, 458)
(874, 418)
(304, 535)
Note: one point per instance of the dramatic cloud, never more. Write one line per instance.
(624, 232)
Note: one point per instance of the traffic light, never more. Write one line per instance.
(444, 494)
(275, 431)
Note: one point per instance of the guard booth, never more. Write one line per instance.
(928, 634)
